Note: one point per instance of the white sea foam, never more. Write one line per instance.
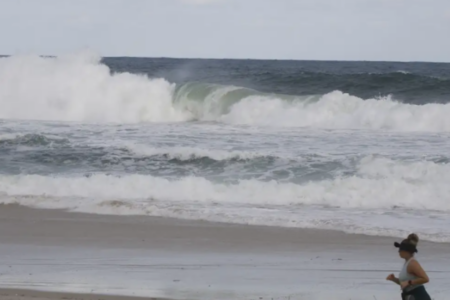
(379, 186)
(379, 183)
(340, 110)
(189, 153)
(81, 88)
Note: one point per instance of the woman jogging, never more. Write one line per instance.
(412, 277)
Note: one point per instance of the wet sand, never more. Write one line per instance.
(56, 251)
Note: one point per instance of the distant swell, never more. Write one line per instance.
(409, 88)
(80, 88)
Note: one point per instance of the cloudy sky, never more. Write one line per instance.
(405, 30)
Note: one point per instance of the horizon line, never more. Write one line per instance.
(249, 59)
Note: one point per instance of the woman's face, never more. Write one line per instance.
(404, 254)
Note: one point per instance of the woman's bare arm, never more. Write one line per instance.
(416, 269)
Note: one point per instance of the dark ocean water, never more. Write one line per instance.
(416, 83)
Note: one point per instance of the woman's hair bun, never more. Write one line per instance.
(413, 239)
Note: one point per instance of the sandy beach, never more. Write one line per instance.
(13, 294)
(91, 255)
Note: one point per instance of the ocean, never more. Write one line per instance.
(359, 147)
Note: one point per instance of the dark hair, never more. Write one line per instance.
(413, 239)
(409, 244)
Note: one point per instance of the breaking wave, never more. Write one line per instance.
(81, 88)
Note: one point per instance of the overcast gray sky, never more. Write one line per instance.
(405, 30)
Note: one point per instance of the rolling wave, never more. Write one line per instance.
(408, 87)
(378, 183)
